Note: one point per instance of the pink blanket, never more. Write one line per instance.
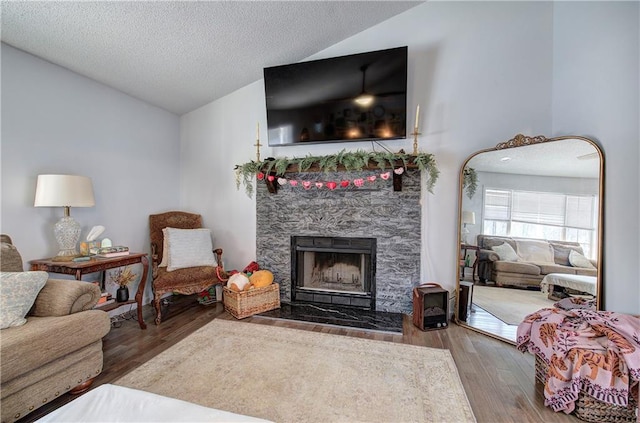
(597, 352)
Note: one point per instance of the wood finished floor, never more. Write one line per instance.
(498, 379)
(483, 320)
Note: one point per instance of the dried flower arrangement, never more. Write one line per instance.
(122, 276)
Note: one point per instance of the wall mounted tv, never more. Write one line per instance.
(360, 97)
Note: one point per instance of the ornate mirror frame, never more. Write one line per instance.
(467, 186)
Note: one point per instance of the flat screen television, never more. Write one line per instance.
(360, 97)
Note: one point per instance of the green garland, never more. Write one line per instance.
(470, 181)
(351, 161)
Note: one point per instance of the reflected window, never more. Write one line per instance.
(542, 215)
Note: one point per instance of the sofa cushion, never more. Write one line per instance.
(546, 268)
(488, 241)
(505, 252)
(586, 272)
(516, 267)
(18, 292)
(561, 253)
(531, 250)
(45, 339)
(578, 260)
(10, 259)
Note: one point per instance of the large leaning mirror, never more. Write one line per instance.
(530, 230)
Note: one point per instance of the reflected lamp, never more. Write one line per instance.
(65, 191)
(468, 218)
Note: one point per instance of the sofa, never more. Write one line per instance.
(50, 343)
(533, 260)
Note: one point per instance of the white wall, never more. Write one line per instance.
(482, 72)
(55, 121)
(467, 70)
(596, 93)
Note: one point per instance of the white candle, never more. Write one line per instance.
(258, 131)
(417, 117)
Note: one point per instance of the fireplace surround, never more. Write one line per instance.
(374, 211)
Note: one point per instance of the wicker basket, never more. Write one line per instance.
(247, 303)
(590, 409)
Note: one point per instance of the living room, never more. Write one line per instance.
(481, 72)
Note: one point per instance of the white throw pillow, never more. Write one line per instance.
(165, 250)
(18, 292)
(189, 248)
(505, 252)
(578, 260)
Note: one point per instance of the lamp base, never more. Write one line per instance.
(67, 233)
(465, 235)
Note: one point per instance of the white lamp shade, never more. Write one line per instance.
(469, 217)
(64, 191)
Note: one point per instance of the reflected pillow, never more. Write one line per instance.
(18, 292)
(533, 250)
(578, 260)
(505, 252)
(189, 248)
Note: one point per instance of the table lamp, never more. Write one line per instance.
(468, 218)
(65, 191)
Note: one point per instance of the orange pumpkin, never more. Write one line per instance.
(261, 278)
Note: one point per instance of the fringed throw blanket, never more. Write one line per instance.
(597, 352)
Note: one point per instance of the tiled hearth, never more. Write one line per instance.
(393, 218)
(339, 316)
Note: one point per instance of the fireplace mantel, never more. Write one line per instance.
(344, 161)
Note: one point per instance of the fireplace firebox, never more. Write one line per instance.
(333, 270)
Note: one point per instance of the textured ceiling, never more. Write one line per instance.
(182, 55)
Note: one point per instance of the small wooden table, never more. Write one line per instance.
(463, 249)
(78, 269)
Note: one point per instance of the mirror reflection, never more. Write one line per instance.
(530, 230)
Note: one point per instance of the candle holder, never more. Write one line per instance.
(415, 134)
(257, 145)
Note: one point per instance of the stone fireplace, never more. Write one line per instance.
(391, 219)
(333, 270)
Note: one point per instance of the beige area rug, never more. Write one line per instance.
(509, 304)
(290, 375)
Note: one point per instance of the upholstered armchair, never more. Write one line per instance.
(183, 260)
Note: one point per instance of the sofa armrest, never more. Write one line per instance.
(62, 297)
(488, 255)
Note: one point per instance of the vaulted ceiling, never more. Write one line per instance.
(181, 55)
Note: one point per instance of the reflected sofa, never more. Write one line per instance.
(531, 266)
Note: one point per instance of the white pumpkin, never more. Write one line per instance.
(238, 282)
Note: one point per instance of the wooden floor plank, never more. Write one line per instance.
(498, 379)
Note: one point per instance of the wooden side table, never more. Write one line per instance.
(78, 269)
(463, 249)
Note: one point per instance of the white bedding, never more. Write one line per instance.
(586, 284)
(111, 403)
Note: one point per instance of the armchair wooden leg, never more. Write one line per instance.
(156, 303)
